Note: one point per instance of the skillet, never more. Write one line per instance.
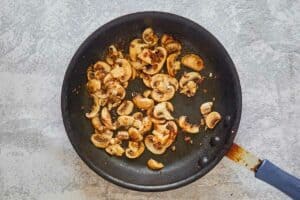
(190, 161)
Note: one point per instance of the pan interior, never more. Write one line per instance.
(181, 166)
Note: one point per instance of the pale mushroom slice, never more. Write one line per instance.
(166, 39)
(101, 140)
(154, 165)
(173, 66)
(206, 108)
(136, 46)
(138, 64)
(129, 121)
(186, 126)
(138, 116)
(115, 150)
(101, 69)
(166, 133)
(122, 135)
(155, 58)
(147, 124)
(162, 111)
(95, 107)
(212, 119)
(106, 119)
(193, 61)
(190, 76)
(150, 37)
(93, 86)
(142, 102)
(115, 140)
(113, 54)
(125, 108)
(135, 149)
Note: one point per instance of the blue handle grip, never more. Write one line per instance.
(280, 179)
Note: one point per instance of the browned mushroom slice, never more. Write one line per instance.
(115, 150)
(150, 37)
(206, 107)
(136, 46)
(193, 61)
(160, 96)
(93, 86)
(113, 55)
(186, 126)
(122, 135)
(212, 119)
(162, 111)
(155, 58)
(95, 107)
(96, 123)
(154, 146)
(125, 108)
(134, 150)
(173, 66)
(143, 102)
(101, 69)
(125, 65)
(134, 134)
(106, 119)
(190, 76)
(154, 165)
(101, 140)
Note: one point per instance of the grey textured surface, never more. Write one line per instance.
(37, 40)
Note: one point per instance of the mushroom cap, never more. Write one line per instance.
(193, 61)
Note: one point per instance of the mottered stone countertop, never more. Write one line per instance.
(38, 39)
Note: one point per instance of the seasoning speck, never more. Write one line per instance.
(210, 75)
(173, 148)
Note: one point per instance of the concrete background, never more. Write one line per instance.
(37, 40)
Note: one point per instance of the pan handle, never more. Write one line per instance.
(273, 175)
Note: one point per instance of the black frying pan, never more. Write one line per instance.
(189, 162)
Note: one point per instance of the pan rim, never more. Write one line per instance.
(149, 188)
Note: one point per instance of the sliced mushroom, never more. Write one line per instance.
(162, 111)
(154, 165)
(93, 86)
(95, 107)
(153, 119)
(147, 124)
(191, 76)
(125, 121)
(166, 39)
(115, 150)
(146, 79)
(136, 46)
(173, 47)
(134, 73)
(186, 126)
(160, 97)
(134, 150)
(163, 81)
(125, 65)
(106, 119)
(206, 107)
(166, 133)
(142, 102)
(96, 123)
(138, 116)
(138, 64)
(153, 145)
(150, 37)
(189, 89)
(115, 140)
(116, 93)
(125, 108)
(193, 61)
(113, 55)
(101, 69)
(90, 73)
(108, 78)
(134, 134)
(147, 93)
(101, 140)
(173, 66)
(122, 135)
(212, 119)
(155, 58)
